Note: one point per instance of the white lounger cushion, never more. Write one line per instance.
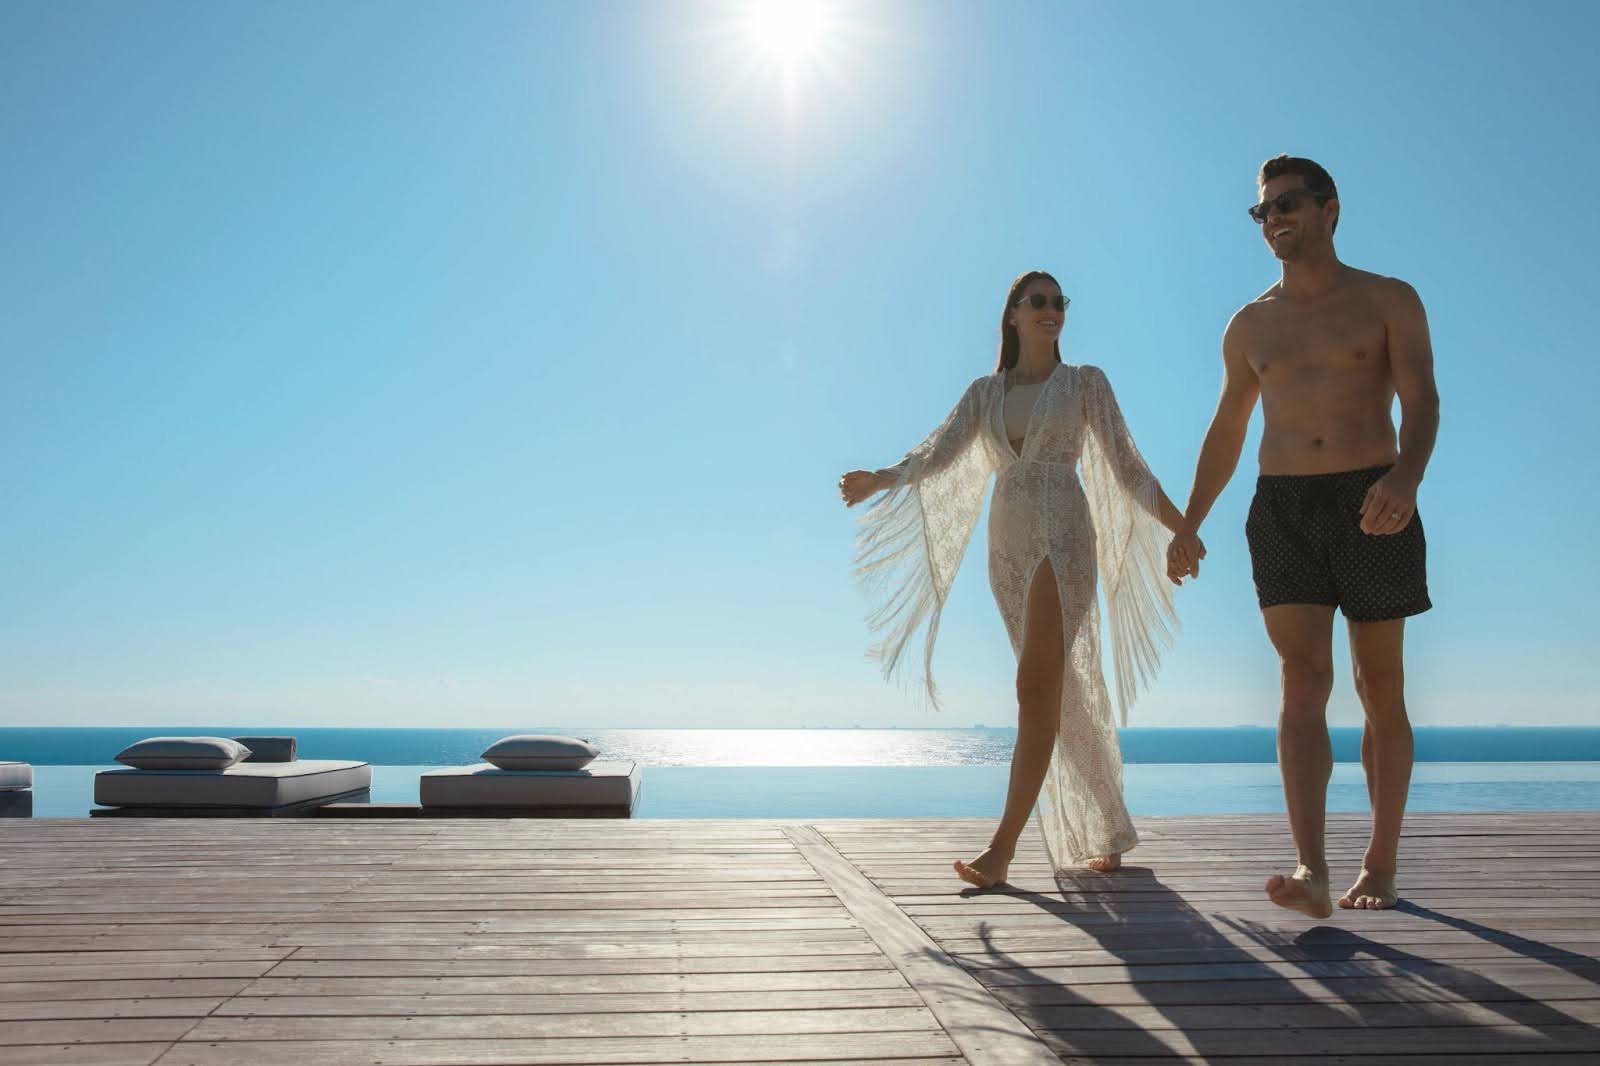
(183, 753)
(539, 751)
(600, 784)
(245, 784)
(15, 776)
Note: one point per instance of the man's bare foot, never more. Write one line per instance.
(1105, 863)
(1305, 891)
(1372, 892)
(986, 871)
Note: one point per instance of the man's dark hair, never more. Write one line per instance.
(1319, 181)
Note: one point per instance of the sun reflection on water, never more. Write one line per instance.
(806, 747)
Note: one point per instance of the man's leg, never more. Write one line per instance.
(1377, 654)
(1303, 637)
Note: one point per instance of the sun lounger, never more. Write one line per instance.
(598, 790)
(16, 790)
(167, 786)
(15, 776)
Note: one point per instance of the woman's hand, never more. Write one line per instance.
(858, 485)
(1183, 556)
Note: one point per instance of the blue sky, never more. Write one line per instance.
(493, 363)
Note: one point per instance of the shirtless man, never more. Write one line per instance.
(1334, 521)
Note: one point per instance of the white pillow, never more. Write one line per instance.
(269, 749)
(536, 751)
(183, 753)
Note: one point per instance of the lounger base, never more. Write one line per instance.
(304, 808)
(412, 810)
(604, 789)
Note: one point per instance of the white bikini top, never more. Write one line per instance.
(1019, 408)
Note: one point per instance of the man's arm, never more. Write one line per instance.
(1392, 500)
(1219, 452)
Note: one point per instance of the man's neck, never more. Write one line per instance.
(1312, 275)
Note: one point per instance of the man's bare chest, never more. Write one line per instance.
(1294, 346)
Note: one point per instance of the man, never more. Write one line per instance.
(1334, 521)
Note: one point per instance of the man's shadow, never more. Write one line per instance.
(1207, 987)
(1323, 948)
(1575, 963)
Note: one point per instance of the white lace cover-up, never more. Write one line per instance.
(912, 538)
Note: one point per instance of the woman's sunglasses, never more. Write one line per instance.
(1038, 300)
(1284, 202)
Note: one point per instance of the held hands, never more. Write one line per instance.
(1390, 504)
(1183, 556)
(858, 485)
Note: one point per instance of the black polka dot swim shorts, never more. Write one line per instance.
(1306, 546)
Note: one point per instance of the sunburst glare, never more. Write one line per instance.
(791, 45)
(788, 31)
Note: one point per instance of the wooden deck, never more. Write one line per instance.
(317, 941)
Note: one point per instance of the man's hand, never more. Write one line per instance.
(1390, 504)
(1184, 555)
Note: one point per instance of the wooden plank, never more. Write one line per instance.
(473, 1027)
(631, 986)
(677, 950)
(85, 1054)
(836, 1048)
(61, 1009)
(266, 955)
(1298, 1044)
(92, 986)
(865, 958)
(564, 1001)
(996, 941)
(1046, 991)
(128, 943)
(1419, 969)
(1333, 1014)
(1050, 952)
(1379, 1059)
(93, 1031)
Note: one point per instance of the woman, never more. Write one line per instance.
(1050, 537)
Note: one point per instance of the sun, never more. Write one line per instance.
(807, 57)
(787, 32)
(797, 41)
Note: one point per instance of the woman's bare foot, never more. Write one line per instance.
(1372, 891)
(1105, 863)
(1305, 890)
(987, 870)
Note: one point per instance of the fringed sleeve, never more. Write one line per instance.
(910, 541)
(1130, 541)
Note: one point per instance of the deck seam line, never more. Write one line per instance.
(983, 1029)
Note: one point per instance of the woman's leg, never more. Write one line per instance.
(1085, 816)
(1040, 667)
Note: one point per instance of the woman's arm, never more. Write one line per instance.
(935, 453)
(1111, 433)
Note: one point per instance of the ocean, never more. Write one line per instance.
(978, 746)
(897, 773)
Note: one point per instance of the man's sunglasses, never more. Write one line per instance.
(1285, 202)
(1038, 300)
